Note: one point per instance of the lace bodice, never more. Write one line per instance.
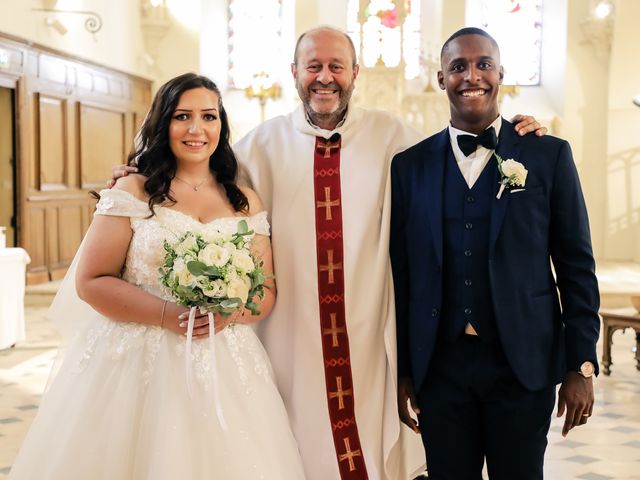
(149, 233)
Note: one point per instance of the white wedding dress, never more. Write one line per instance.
(119, 407)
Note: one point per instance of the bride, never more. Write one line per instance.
(119, 406)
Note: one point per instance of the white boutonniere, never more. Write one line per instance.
(512, 174)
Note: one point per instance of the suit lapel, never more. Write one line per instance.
(508, 147)
(434, 178)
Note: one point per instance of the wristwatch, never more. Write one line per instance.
(587, 369)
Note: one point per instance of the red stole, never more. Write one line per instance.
(333, 327)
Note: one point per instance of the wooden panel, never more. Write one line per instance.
(75, 119)
(51, 235)
(102, 142)
(52, 155)
(36, 246)
(58, 273)
(138, 118)
(36, 276)
(7, 185)
(69, 232)
(87, 216)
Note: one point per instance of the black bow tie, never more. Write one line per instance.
(469, 143)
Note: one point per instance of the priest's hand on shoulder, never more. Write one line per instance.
(576, 397)
(120, 171)
(526, 124)
(406, 397)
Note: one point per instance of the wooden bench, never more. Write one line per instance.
(616, 319)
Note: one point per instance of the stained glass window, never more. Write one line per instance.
(517, 27)
(389, 31)
(255, 40)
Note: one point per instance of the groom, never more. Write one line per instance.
(482, 337)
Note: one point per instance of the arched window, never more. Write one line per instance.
(517, 27)
(389, 31)
(255, 40)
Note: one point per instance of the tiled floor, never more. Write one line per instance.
(607, 448)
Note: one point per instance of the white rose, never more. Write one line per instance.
(239, 288)
(242, 261)
(179, 271)
(516, 170)
(189, 244)
(213, 236)
(179, 265)
(186, 278)
(230, 246)
(214, 255)
(218, 289)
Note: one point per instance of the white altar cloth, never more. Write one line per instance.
(13, 263)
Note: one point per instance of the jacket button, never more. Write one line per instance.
(467, 253)
(434, 312)
(467, 311)
(468, 283)
(470, 199)
(468, 225)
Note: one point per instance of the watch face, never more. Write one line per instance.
(587, 369)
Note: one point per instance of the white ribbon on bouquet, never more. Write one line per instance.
(214, 367)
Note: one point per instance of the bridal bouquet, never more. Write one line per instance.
(214, 272)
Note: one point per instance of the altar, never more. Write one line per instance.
(13, 263)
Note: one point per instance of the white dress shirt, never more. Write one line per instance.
(472, 166)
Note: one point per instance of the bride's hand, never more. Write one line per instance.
(201, 324)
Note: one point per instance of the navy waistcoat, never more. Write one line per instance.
(466, 224)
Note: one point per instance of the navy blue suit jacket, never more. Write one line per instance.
(530, 229)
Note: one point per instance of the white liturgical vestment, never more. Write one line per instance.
(279, 159)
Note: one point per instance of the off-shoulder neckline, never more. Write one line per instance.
(186, 215)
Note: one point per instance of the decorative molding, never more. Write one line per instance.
(92, 24)
(155, 23)
(598, 33)
(381, 88)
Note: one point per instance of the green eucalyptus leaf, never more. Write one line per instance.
(243, 227)
(196, 268)
(213, 271)
(231, 303)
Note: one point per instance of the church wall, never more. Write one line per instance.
(118, 44)
(179, 52)
(584, 123)
(622, 159)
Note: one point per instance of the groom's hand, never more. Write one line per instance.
(120, 171)
(576, 397)
(406, 396)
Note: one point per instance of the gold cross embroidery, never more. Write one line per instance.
(328, 146)
(334, 331)
(330, 267)
(340, 393)
(349, 455)
(328, 204)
